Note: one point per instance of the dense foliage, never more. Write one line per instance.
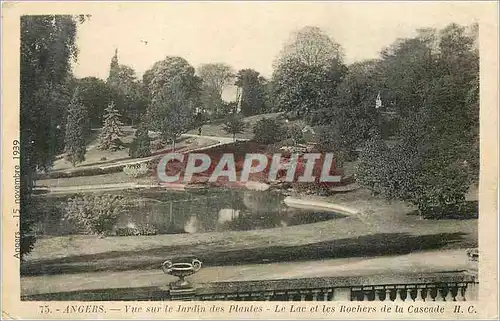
(435, 158)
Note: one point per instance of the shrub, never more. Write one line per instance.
(269, 131)
(136, 170)
(157, 144)
(294, 132)
(94, 214)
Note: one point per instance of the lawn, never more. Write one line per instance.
(381, 228)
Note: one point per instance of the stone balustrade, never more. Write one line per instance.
(457, 291)
(459, 286)
(437, 287)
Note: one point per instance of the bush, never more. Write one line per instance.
(294, 132)
(157, 144)
(94, 214)
(269, 131)
(136, 170)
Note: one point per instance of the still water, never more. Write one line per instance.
(168, 212)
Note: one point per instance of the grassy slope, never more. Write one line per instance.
(95, 156)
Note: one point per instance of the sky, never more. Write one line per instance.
(248, 34)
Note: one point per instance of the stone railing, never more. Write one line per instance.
(459, 286)
(440, 287)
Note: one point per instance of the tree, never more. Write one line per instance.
(74, 142)
(307, 72)
(95, 96)
(141, 143)
(269, 131)
(234, 124)
(311, 46)
(215, 77)
(114, 70)
(175, 95)
(47, 51)
(251, 85)
(111, 130)
(128, 93)
(175, 117)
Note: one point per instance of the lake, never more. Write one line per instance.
(198, 211)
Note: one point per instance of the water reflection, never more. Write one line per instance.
(227, 214)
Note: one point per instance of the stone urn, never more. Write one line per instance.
(181, 270)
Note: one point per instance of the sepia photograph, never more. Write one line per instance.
(237, 151)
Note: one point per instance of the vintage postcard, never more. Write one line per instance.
(250, 160)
